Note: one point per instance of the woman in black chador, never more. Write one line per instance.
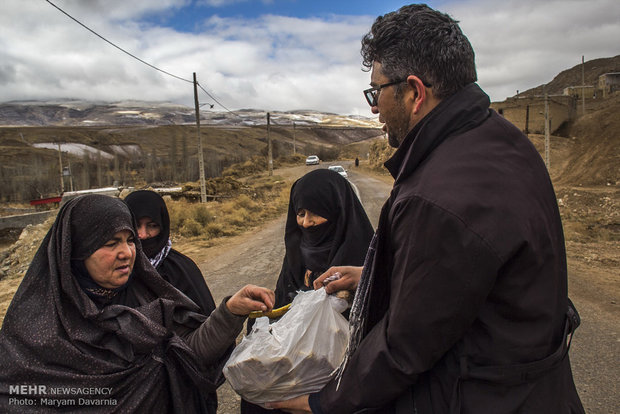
(180, 271)
(326, 226)
(93, 317)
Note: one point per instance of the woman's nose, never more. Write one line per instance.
(142, 232)
(125, 249)
(308, 221)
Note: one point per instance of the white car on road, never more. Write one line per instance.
(312, 160)
(340, 170)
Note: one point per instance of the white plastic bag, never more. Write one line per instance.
(294, 356)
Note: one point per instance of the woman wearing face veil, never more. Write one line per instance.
(180, 271)
(326, 226)
(93, 316)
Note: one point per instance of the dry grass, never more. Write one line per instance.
(261, 200)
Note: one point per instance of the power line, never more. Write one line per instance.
(216, 101)
(137, 58)
(118, 47)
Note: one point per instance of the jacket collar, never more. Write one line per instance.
(460, 112)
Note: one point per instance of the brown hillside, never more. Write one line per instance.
(595, 155)
(573, 76)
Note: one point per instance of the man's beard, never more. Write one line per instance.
(399, 127)
(393, 140)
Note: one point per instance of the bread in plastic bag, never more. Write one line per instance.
(293, 356)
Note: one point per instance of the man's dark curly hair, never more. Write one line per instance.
(417, 40)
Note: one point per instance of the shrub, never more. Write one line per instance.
(239, 217)
(213, 230)
(201, 214)
(244, 201)
(191, 228)
(179, 213)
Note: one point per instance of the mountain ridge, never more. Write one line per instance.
(77, 113)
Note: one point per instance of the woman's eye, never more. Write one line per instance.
(153, 226)
(131, 241)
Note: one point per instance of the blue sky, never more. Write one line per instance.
(187, 18)
(273, 54)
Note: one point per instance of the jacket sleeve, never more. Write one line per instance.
(213, 338)
(439, 276)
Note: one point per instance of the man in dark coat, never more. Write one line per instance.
(461, 306)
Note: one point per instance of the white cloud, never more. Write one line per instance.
(274, 62)
(521, 44)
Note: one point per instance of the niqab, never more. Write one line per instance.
(341, 241)
(54, 334)
(176, 268)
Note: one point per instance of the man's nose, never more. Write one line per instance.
(374, 109)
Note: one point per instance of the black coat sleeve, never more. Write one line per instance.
(440, 274)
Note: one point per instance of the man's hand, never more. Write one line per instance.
(349, 279)
(298, 405)
(251, 298)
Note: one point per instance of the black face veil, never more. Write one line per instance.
(343, 240)
(144, 203)
(178, 269)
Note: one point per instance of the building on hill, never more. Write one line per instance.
(578, 91)
(528, 113)
(609, 83)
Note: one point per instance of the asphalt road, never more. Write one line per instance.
(256, 257)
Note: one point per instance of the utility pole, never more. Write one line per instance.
(269, 150)
(201, 162)
(70, 175)
(62, 178)
(547, 132)
(527, 119)
(583, 85)
(294, 133)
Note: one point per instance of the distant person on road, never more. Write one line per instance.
(326, 225)
(180, 271)
(461, 305)
(92, 315)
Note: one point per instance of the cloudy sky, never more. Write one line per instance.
(273, 54)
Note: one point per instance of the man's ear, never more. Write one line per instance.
(419, 92)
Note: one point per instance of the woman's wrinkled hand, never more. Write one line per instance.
(298, 405)
(251, 298)
(348, 280)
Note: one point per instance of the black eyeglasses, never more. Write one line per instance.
(372, 94)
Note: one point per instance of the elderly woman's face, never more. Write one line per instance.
(147, 228)
(306, 218)
(111, 264)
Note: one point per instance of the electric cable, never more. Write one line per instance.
(140, 60)
(218, 102)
